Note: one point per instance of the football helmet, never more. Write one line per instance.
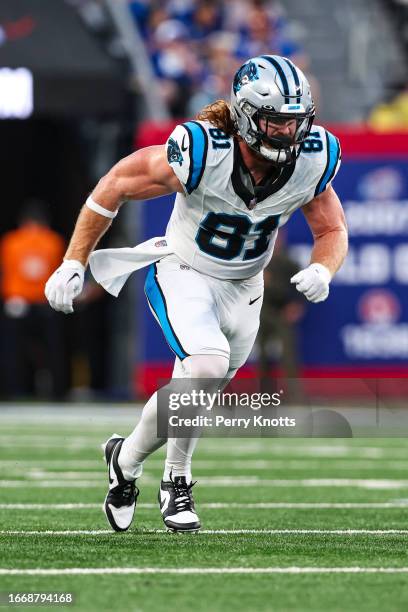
(269, 92)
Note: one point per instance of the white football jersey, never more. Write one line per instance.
(222, 225)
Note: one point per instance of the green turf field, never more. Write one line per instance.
(287, 524)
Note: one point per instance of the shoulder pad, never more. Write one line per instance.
(187, 149)
(332, 158)
(220, 144)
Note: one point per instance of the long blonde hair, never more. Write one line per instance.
(219, 114)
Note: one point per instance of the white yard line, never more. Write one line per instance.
(267, 448)
(38, 474)
(50, 484)
(225, 481)
(225, 505)
(97, 532)
(305, 505)
(41, 464)
(97, 467)
(65, 444)
(202, 570)
(345, 532)
(57, 506)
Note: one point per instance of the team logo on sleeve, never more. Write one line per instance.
(173, 152)
(248, 72)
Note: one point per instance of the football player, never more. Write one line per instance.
(239, 171)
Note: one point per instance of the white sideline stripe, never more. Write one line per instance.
(57, 506)
(202, 570)
(311, 451)
(50, 484)
(225, 505)
(97, 467)
(303, 505)
(226, 481)
(98, 476)
(92, 532)
(308, 531)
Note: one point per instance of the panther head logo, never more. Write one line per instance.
(248, 72)
(173, 152)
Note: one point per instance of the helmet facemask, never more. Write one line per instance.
(264, 134)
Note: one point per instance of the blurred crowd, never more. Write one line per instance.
(196, 45)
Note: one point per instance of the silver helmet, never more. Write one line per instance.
(270, 89)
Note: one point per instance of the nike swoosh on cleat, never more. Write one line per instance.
(111, 463)
(255, 300)
(183, 148)
(164, 500)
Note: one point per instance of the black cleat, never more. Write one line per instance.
(120, 502)
(177, 505)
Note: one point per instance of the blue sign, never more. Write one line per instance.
(365, 319)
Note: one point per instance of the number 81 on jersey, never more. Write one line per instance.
(223, 236)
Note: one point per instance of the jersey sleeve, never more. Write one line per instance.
(332, 152)
(187, 148)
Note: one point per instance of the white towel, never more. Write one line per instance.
(112, 267)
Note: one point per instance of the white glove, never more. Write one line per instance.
(313, 281)
(64, 285)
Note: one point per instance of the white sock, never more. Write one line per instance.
(141, 442)
(212, 369)
(178, 460)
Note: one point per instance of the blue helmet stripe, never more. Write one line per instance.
(296, 78)
(271, 59)
(157, 303)
(333, 157)
(198, 153)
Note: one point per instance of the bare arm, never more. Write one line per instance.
(143, 175)
(325, 217)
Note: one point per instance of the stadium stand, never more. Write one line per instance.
(194, 46)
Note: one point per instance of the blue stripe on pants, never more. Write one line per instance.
(157, 302)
